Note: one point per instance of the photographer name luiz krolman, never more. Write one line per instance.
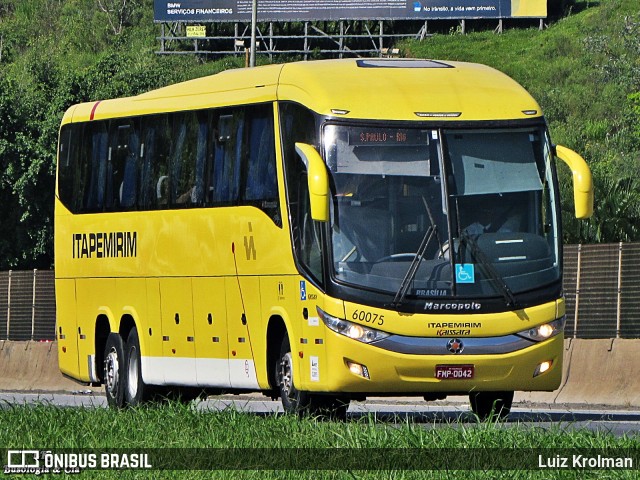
(586, 462)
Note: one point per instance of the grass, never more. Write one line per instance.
(581, 69)
(318, 449)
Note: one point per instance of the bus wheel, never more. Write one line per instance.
(114, 370)
(136, 391)
(293, 400)
(491, 405)
(304, 403)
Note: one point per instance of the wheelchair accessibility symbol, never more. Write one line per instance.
(465, 273)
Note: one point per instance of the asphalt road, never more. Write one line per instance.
(618, 422)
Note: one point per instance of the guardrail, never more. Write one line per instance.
(601, 284)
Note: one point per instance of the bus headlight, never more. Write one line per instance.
(352, 330)
(544, 331)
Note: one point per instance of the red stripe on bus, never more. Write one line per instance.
(93, 110)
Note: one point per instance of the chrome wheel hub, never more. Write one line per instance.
(286, 374)
(111, 371)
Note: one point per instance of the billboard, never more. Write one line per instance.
(291, 10)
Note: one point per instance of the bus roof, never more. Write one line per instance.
(379, 89)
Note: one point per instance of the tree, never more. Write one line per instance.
(616, 216)
(119, 13)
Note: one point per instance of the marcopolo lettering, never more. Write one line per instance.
(105, 245)
(452, 306)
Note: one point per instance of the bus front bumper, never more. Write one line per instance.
(355, 367)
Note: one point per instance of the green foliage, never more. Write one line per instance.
(584, 70)
(55, 54)
(634, 98)
(616, 216)
(173, 434)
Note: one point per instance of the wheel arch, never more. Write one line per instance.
(103, 329)
(277, 329)
(127, 323)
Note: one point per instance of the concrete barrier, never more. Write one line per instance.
(33, 367)
(603, 372)
(596, 372)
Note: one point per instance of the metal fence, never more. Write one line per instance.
(27, 305)
(307, 39)
(601, 285)
(602, 288)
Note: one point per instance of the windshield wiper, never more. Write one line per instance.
(489, 270)
(413, 268)
(415, 263)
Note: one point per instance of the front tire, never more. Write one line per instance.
(302, 403)
(293, 400)
(491, 405)
(114, 370)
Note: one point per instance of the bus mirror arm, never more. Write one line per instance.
(318, 179)
(582, 181)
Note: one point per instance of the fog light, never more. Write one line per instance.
(357, 369)
(543, 367)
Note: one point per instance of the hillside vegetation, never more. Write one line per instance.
(584, 69)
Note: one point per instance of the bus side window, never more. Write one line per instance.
(202, 157)
(298, 125)
(183, 159)
(261, 185)
(96, 155)
(71, 187)
(131, 171)
(122, 169)
(147, 192)
(158, 161)
(225, 182)
(215, 176)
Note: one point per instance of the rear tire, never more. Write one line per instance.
(136, 392)
(114, 370)
(491, 405)
(302, 403)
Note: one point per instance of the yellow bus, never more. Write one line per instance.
(316, 231)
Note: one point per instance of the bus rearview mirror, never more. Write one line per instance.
(582, 181)
(318, 180)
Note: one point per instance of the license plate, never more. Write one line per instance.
(454, 372)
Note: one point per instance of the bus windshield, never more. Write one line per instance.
(420, 212)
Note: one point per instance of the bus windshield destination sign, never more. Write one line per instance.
(387, 137)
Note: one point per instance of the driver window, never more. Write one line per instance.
(298, 125)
